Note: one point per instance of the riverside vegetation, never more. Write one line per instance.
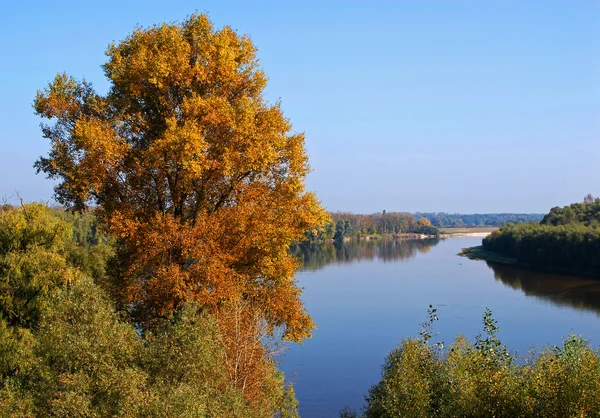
(567, 239)
(483, 379)
(345, 225)
(66, 350)
(456, 220)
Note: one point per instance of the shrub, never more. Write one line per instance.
(482, 379)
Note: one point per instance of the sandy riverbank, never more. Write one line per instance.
(465, 234)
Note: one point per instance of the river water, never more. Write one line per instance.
(366, 297)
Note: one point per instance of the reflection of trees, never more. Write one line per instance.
(316, 256)
(577, 292)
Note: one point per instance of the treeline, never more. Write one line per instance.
(586, 213)
(441, 219)
(65, 350)
(351, 225)
(566, 239)
(483, 379)
(573, 247)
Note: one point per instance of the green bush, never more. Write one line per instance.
(66, 352)
(564, 247)
(483, 379)
(566, 239)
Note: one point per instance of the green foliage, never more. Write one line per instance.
(349, 225)
(441, 219)
(341, 230)
(15, 402)
(491, 346)
(88, 362)
(409, 385)
(16, 349)
(33, 245)
(483, 379)
(89, 357)
(567, 238)
(347, 412)
(185, 361)
(573, 247)
(587, 213)
(426, 331)
(65, 351)
(90, 248)
(567, 380)
(32, 226)
(427, 230)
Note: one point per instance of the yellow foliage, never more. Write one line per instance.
(199, 178)
(424, 222)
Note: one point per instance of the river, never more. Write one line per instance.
(366, 297)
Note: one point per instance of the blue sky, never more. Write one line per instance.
(406, 105)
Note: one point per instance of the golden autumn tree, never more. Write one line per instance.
(424, 222)
(197, 176)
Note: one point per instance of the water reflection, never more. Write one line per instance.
(363, 310)
(577, 292)
(314, 257)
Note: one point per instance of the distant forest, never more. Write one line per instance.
(345, 225)
(441, 219)
(567, 238)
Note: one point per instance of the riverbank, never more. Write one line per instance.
(375, 237)
(465, 234)
(480, 253)
(443, 233)
(482, 231)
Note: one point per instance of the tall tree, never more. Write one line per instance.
(199, 178)
(64, 351)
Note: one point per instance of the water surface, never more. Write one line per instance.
(366, 297)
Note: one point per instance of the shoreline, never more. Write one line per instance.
(413, 235)
(464, 234)
(480, 253)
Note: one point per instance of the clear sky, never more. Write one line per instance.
(451, 106)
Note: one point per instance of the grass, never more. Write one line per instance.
(467, 230)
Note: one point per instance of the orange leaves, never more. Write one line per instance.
(185, 145)
(424, 222)
(101, 153)
(156, 57)
(197, 176)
